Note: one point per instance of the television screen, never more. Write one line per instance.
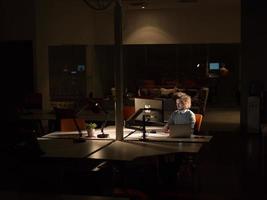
(214, 66)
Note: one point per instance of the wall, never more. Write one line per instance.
(195, 23)
(192, 25)
(17, 20)
(57, 23)
(254, 51)
(16, 63)
(65, 22)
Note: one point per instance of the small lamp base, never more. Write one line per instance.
(103, 135)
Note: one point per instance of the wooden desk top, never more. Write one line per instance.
(128, 151)
(60, 144)
(66, 148)
(73, 134)
(168, 147)
(160, 136)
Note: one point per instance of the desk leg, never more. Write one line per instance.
(188, 172)
(41, 127)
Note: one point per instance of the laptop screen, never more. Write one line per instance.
(180, 130)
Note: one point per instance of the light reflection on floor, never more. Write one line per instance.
(221, 119)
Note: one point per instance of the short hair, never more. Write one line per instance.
(178, 95)
(186, 101)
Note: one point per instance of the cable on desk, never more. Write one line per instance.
(130, 133)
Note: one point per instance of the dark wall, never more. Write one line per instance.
(16, 66)
(16, 69)
(254, 52)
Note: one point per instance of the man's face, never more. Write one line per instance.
(179, 104)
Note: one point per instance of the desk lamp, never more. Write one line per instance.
(79, 139)
(62, 113)
(96, 107)
(144, 127)
(99, 108)
(145, 116)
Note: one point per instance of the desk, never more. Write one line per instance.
(38, 118)
(149, 158)
(73, 134)
(164, 137)
(65, 148)
(128, 151)
(131, 135)
(122, 154)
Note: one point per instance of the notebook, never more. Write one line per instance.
(180, 130)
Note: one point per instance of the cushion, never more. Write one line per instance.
(167, 92)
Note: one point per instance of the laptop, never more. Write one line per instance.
(180, 130)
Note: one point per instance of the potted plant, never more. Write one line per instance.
(90, 127)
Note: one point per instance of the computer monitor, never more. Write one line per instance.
(151, 109)
(214, 66)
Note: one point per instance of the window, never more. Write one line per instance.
(67, 72)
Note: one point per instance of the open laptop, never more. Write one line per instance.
(180, 130)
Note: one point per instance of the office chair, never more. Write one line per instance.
(69, 125)
(66, 120)
(128, 111)
(199, 118)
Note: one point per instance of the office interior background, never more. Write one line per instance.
(167, 40)
(63, 49)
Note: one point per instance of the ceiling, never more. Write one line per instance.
(161, 4)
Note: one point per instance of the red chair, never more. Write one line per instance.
(128, 111)
(199, 118)
(69, 125)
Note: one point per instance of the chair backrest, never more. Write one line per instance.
(203, 98)
(199, 118)
(69, 125)
(65, 120)
(128, 111)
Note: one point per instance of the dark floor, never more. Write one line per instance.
(221, 119)
(231, 166)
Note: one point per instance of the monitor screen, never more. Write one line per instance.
(214, 66)
(151, 109)
(147, 103)
(152, 116)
